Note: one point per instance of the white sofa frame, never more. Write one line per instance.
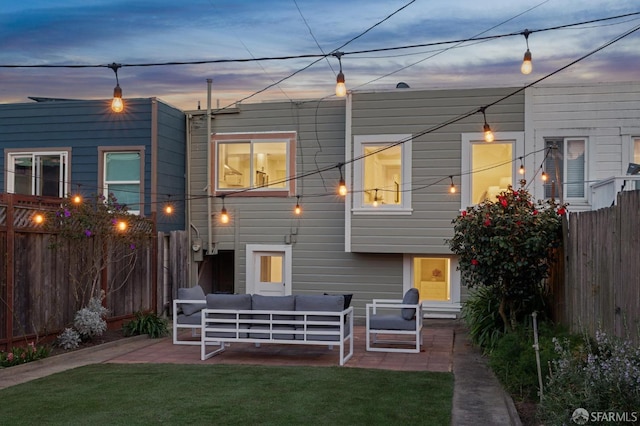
(340, 326)
(177, 326)
(394, 305)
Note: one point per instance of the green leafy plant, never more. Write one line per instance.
(507, 245)
(146, 323)
(480, 314)
(21, 355)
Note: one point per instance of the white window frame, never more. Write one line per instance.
(360, 142)
(434, 308)
(516, 138)
(585, 177)
(252, 138)
(64, 181)
(104, 151)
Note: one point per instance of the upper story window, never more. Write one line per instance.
(489, 168)
(43, 173)
(492, 165)
(382, 178)
(263, 162)
(565, 166)
(122, 174)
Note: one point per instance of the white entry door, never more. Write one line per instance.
(269, 269)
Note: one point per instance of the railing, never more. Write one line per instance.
(604, 193)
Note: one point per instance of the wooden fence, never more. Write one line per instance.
(602, 270)
(37, 294)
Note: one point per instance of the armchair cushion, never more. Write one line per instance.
(391, 322)
(191, 293)
(411, 297)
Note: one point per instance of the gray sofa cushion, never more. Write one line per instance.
(324, 303)
(347, 299)
(272, 303)
(411, 297)
(227, 301)
(193, 319)
(191, 293)
(391, 322)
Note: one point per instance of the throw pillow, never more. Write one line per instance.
(191, 293)
(411, 297)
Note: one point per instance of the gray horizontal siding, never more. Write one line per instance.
(435, 156)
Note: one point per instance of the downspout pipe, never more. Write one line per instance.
(210, 245)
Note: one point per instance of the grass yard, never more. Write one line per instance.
(142, 394)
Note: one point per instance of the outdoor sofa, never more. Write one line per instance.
(252, 318)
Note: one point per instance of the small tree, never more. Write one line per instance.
(506, 245)
(97, 234)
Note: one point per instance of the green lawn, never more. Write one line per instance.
(145, 394)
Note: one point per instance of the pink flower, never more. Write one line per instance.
(562, 211)
(474, 262)
(535, 212)
(487, 222)
(10, 356)
(464, 213)
(503, 202)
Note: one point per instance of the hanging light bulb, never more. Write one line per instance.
(77, 199)
(297, 209)
(526, 67)
(544, 176)
(452, 188)
(117, 105)
(168, 209)
(521, 171)
(341, 88)
(224, 216)
(121, 225)
(342, 186)
(38, 218)
(375, 199)
(488, 134)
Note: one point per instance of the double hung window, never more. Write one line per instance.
(565, 166)
(122, 177)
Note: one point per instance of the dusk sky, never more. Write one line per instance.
(130, 32)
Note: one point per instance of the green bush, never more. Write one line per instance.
(146, 323)
(513, 359)
(480, 314)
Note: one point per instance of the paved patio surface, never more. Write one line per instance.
(436, 354)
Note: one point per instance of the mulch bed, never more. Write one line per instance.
(106, 337)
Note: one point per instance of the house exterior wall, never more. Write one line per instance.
(607, 114)
(435, 155)
(317, 236)
(83, 127)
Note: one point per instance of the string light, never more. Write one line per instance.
(452, 188)
(544, 176)
(121, 225)
(488, 134)
(224, 216)
(375, 198)
(297, 209)
(38, 218)
(77, 199)
(117, 105)
(168, 207)
(341, 88)
(526, 67)
(521, 171)
(342, 186)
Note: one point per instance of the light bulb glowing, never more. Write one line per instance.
(117, 105)
(521, 171)
(488, 134)
(121, 225)
(341, 88)
(168, 209)
(77, 199)
(224, 216)
(375, 202)
(452, 189)
(38, 218)
(544, 177)
(342, 188)
(298, 209)
(526, 67)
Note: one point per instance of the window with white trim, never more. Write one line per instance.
(43, 173)
(382, 176)
(262, 162)
(566, 169)
(636, 150)
(122, 178)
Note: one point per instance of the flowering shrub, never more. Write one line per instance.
(601, 375)
(20, 355)
(506, 245)
(97, 233)
(68, 339)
